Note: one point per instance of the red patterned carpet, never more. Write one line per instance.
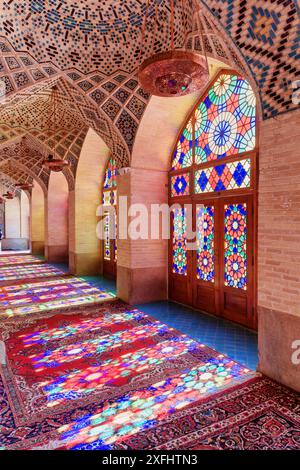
(111, 377)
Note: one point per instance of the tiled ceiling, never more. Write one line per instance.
(91, 49)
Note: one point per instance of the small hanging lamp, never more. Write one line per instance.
(8, 195)
(52, 162)
(24, 186)
(55, 164)
(173, 72)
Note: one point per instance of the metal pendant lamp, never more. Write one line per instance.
(174, 72)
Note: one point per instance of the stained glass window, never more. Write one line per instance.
(225, 120)
(109, 198)
(106, 236)
(232, 175)
(205, 242)
(180, 185)
(235, 245)
(110, 178)
(183, 155)
(179, 241)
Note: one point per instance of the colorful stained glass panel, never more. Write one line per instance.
(235, 245)
(106, 198)
(232, 175)
(110, 178)
(205, 242)
(225, 120)
(179, 242)
(106, 236)
(183, 155)
(180, 185)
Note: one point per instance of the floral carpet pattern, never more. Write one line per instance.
(51, 294)
(94, 377)
(77, 374)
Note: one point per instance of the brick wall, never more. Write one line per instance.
(279, 213)
(279, 248)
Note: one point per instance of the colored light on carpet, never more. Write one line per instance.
(109, 372)
(78, 327)
(142, 409)
(47, 290)
(58, 293)
(13, 260)
(56, 357)
(58, 304)
(28, 272)
(113, 372)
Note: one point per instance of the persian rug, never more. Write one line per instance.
(19, 259)
(28, 271)
(61, 292)
(105, 377)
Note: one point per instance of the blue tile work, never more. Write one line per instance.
(233, 340)
(101, 283)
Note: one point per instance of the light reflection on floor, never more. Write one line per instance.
(28, 271)
(145, 407)
(19, 260)
(47, 295)
(82, 357)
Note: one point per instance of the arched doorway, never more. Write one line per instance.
(109, 199)
(213, 169)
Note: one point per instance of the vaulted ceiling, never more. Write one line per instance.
(91, 50)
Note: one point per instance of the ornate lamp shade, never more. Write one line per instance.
(173, 73)
(55, 164)
(24, 186)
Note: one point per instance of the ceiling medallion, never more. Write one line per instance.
(175, 72)
(51, 162)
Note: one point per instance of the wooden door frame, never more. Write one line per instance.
(244, 192)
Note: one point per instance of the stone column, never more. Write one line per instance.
(142, 265)
(37, 220)
(85, 255)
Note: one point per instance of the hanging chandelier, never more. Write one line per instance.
(52, 162)
(175, 72)
(24, 186)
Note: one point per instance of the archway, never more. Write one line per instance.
(85, 249)
(37, 220)
(56, 228)
(109, 199)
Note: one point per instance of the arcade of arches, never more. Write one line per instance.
(100, 312)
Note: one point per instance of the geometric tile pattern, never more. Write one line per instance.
(92, 52)
(267, 34)
(232, 175)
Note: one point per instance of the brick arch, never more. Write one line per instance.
(85, 248)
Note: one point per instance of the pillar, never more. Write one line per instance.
(56, 220)
(37, 220)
